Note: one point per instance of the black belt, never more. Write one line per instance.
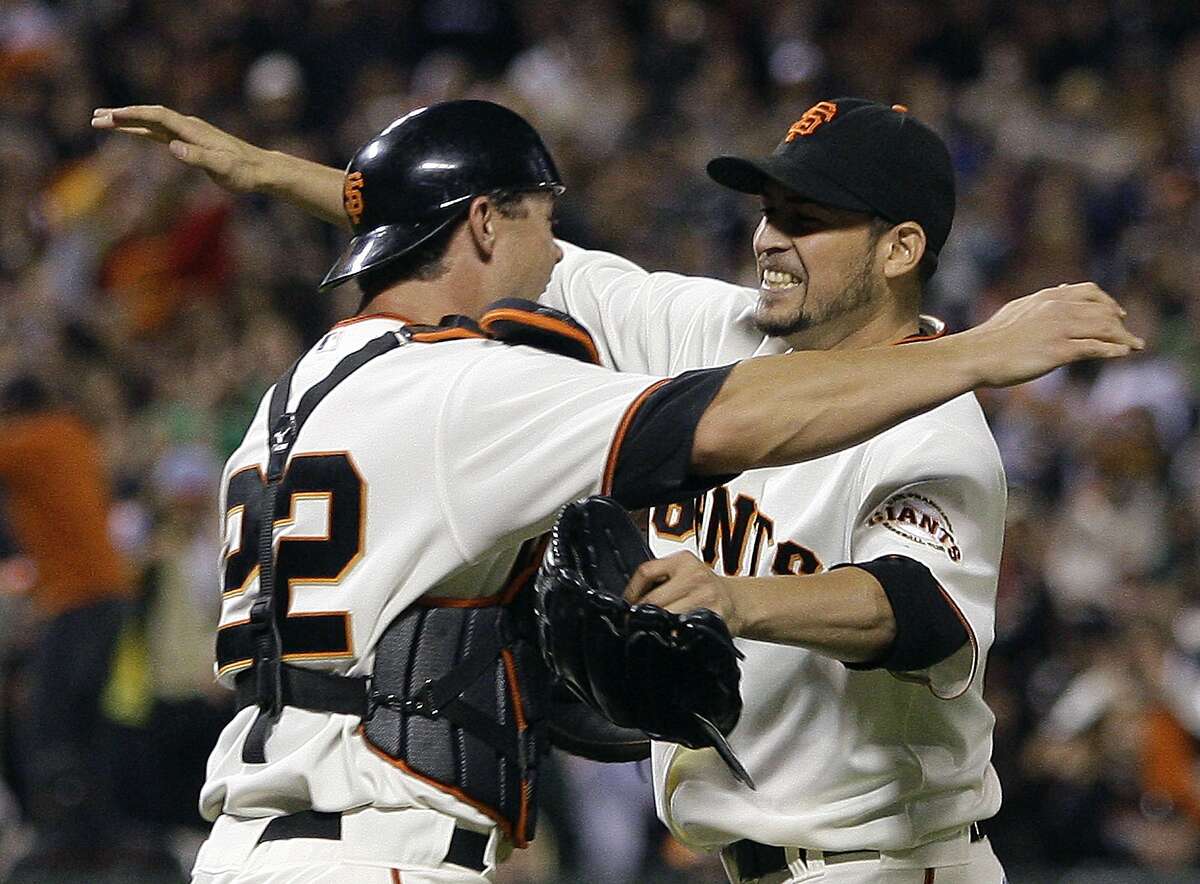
(754, 860)
(310, 689)
(466, 849)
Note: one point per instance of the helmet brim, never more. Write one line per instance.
(378, 247)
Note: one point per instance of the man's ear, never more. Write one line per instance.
(481, 222)
(904, 246)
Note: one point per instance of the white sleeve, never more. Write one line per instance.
(655, 323)
(520, 433)
(937, 494)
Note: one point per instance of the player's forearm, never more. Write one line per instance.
(311, 187)
(843, 614)
(777, 410)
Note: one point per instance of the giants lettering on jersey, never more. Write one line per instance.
(733, 533)
(918, 519)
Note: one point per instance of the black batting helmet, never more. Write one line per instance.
(420, 174)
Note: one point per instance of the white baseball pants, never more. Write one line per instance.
(376, 846)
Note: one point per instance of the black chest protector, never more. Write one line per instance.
(459, 699)
(459, 693)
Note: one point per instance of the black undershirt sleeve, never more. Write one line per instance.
(653, 458)
(929, 628)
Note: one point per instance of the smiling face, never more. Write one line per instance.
(816, 264)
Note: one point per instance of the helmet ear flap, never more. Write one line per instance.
(422, 172)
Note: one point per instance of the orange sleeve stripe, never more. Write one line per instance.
(548, 323)
(614, 452)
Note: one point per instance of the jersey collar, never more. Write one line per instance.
(928, 328)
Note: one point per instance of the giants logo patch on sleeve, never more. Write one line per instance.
(918, 519)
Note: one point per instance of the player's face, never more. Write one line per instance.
(530, 248)
(816, 264)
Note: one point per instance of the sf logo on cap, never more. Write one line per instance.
(821, 112)
(352, 196)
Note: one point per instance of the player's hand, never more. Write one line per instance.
(1033, 335)
(232, 163)
(680, 583)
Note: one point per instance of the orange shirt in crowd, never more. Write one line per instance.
(1169, 762)
(57, 498)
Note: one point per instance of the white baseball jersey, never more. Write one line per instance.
(421, 474)
(843, 759)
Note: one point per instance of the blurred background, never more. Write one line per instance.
(143, 312)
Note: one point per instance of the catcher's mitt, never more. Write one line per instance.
(674, 676)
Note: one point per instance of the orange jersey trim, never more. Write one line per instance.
(548, 323)
(939, 332)
(446, 334)
(614, 452)
(365, 316)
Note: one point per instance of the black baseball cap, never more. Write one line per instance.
(855, 154)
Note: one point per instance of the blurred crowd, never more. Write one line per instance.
(139, 298)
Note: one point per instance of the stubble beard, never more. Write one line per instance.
(858, 293)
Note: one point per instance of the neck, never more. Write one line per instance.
(873, 325)
(427, 301)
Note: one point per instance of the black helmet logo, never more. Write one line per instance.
(352, 196)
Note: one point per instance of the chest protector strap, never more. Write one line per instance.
(270, 605)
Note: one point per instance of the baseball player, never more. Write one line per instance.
(407, 466)
(864, 723)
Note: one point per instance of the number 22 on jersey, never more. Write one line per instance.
(322, 487)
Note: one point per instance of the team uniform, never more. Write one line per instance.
(415, 484)
(861, 774)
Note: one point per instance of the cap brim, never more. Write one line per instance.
(378, 247)
(751, 176)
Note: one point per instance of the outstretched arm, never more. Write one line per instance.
(776, 410)
(231, 162)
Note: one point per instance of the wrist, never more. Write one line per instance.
(267, 175)
(966, 359)
(746, 614)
